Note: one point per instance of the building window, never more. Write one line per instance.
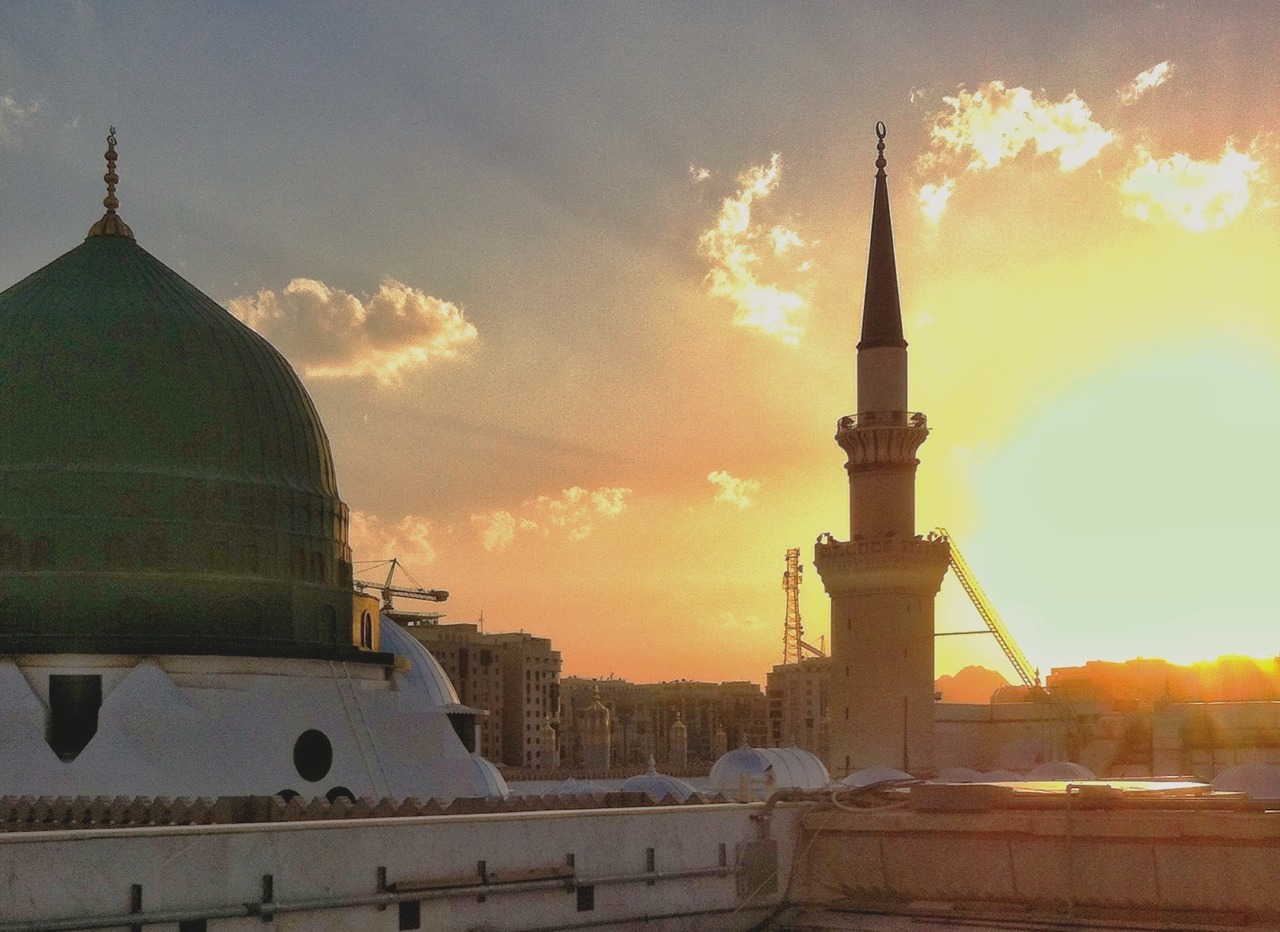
(410, 914)
(312, 755)
(73, 713)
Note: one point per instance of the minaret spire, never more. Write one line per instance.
(883, 580)
(881, 309)
(111, 224)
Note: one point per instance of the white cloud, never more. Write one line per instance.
(934, 198)
(13, 114)
(573, 513)
(993, 125)
(1147, 80)
(333, 334)
(730, 245)
(731, 490)
(996, 123)
(411, 539)
(697, 173)
(1197, 195)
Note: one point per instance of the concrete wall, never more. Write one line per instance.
(537, 865)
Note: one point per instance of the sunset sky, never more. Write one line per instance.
(576, 289)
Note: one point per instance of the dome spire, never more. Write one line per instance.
(111, 224)
(881, 309)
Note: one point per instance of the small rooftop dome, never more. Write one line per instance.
(958, 775)
(877, 774)
(425, 673)
(1255, 779)
(572, 787)
(1001, 776)
(768, 769)
(657, 785)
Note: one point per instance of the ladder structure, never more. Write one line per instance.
(1029, 675)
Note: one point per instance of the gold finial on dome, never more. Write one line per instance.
(111, 224)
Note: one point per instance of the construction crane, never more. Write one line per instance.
(1029, 675)
(794, 645)
(389, 591)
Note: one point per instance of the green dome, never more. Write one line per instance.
(166, 485)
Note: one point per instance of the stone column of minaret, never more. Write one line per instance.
(882, 582)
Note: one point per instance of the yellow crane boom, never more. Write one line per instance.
(1029, 675)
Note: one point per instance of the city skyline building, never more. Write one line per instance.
(883, 580)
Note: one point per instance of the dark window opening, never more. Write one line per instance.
(410, 914)
(464, 723)
(586, 898)
(312, 755)
(73, 713)
(193, 925)
(366, 631)
(340, 792)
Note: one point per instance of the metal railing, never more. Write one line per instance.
(912, 419)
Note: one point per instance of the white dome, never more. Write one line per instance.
(657, 785)
(878, 774)
(489, 782)
(958, 775)
(1061, 770)
(768, 769)
(572, 787)
(1001, 776)
(425, 673)
(1254, 779)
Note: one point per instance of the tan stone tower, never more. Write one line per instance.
(882, 582)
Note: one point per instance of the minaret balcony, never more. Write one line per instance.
(914, 419)
(882, 437)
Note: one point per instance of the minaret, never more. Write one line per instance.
(882, 582)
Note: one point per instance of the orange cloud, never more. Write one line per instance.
(573, 512)
(730, 245)
(1196, 195)
(1147, 80)
(411, 539)
(333, 334)
(732, 490)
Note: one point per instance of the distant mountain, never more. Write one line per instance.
(972, 684)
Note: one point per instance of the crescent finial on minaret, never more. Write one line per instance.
(111, 224)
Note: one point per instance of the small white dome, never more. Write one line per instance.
(877, 774)
(768, 769)
(1254, 779)
(1001, 776)
(425, 673)
(572, 787)
(1061, 770)
(958, 775)
(657, 785)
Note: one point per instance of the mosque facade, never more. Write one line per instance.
(177, 616)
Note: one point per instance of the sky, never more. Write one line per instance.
(576, 289)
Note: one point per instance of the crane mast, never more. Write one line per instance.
(794, 646)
